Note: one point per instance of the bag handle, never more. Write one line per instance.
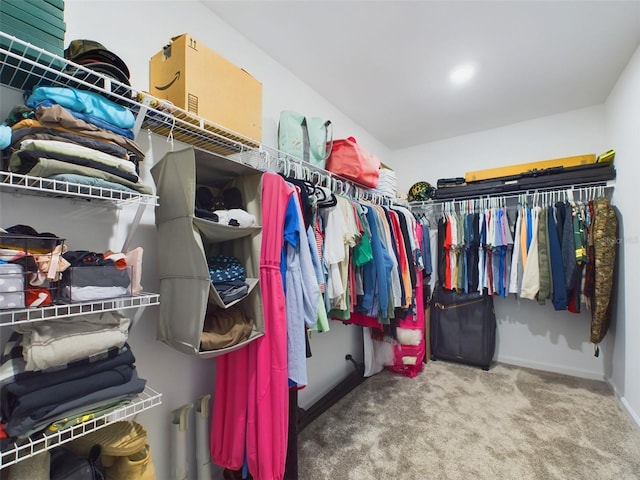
(305, 139)
(329, 126)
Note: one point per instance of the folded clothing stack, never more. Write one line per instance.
(56, 373)
(74, 136)
(387, 183)
(228, 277)
(225, 209)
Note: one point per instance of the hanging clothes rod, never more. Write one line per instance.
(564, 192)
(282, 163)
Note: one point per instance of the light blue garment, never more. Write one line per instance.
(83, 101)
(125, 132)
(376, 274)
(5, 136)
(301, 299)
(290, 236)
(529, 227)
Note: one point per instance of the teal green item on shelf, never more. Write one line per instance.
(47, 7)
(30, 15)
(57, 4)
(305, 138)
(26, 33)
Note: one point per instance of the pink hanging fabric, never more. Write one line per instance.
(408, 359)
(268, 415)
(250, 412)
(229, 415)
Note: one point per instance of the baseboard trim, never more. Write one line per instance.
(635, 418)
(574, 372)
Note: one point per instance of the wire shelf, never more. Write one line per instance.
(41, 442)
(52, 312)
(23, 66)
(560, 191)
(56, 188)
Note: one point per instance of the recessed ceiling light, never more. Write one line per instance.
(462, 74)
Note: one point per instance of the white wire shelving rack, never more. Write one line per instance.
(52, 312)
(38, 443)
(41, 186)
(23, 66)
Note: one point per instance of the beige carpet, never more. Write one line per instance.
(459, 422)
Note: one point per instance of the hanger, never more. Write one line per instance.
(325, 197)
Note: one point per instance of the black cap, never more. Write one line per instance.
(90, 53)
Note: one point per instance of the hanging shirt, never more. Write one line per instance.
(531, 274)
(474, 251)
(349, 241)
(334, 252)
(391, 243)
(568, 246)
(516, 261)
(381, 267)
(406, 228)
(442, 251)
(393, 284)
(559, 296)
(482, 239)
(426, 249)
(543, 257)
(523, 236)
(302, 295)
(322, 323)
(399, 297)
(362, 251)
(453, 257)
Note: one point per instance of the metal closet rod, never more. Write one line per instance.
(289, 166)
(568, 191)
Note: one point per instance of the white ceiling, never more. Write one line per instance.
(385, 64)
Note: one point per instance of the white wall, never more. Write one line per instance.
(528, 334)
(622, 114)
(136, 30)
(572, 133)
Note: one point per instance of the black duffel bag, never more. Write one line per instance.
(463, 327)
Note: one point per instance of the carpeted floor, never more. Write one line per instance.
(459, 422)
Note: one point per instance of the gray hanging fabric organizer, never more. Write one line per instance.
(185, 242)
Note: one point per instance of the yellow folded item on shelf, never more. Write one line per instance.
(509, 170)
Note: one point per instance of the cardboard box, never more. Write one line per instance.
(198, 80)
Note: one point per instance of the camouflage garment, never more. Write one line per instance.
(604, 230)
